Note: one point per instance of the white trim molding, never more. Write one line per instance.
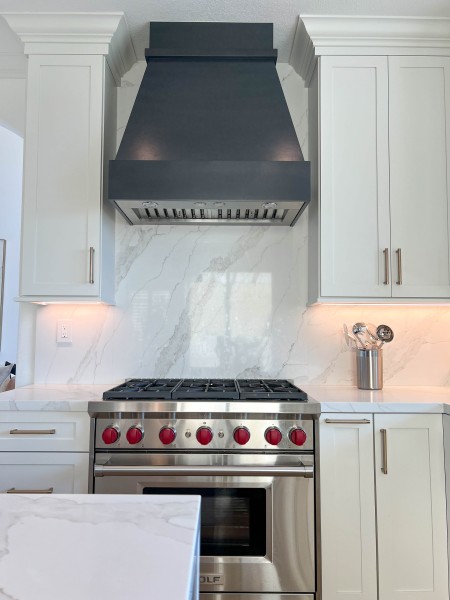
(77, 33)
(319, 35)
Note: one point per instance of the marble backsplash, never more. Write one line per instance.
(228, 302)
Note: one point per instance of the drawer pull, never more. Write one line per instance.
(349, 421)
(32, 431)
(14, 491)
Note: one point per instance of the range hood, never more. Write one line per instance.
(210, 138)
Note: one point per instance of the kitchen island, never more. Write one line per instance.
(91, 547)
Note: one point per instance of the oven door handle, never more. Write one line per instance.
(206, 471)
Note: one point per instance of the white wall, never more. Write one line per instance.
(11, 159)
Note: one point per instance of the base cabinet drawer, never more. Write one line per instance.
(44, 432)
(44, 472)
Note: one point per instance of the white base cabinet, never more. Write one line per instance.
(411, 507)
(347, 497)
(383, 507)
(44, 452)
(44, 472)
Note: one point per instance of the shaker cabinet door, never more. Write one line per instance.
(419, 149)
(354, 176)
(62, 200)
(411, 507)
(347, 507)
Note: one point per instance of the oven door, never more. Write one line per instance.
(257, 513)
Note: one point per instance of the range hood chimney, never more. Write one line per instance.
(210, 138)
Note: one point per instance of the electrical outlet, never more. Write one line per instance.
(64, 331)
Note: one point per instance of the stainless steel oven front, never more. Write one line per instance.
(257, 517)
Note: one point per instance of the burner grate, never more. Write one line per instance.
(215, 389)
(143, 389)
(200, 389)
(275, 389)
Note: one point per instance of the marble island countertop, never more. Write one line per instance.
(397, 399)
(106, 546)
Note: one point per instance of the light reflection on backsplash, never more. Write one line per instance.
(196, 301)
(230, 302)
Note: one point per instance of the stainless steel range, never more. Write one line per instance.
(247, 448)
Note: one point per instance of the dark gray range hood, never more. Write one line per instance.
(210, 138)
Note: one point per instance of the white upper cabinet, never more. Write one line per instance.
(63, 205)
(419, 150)
(75, 62)
(379, 129)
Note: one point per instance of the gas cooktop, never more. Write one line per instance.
(206, 389)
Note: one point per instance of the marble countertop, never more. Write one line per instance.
(397, 399)
(106, 546)
(401, 399)
(59, 397)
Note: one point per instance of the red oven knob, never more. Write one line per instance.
(135, 434)
(204, 435)
(241, 435)
(111, 434)
(167, 435)
(273, 436)
(297, 436)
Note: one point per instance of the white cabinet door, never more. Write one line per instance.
(63, 183)
(411, 507)
(347, 495)
(419, 148)
(44, 472)
(354, 176)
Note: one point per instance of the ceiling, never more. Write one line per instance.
(283, 13)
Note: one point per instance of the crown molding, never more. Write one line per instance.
(318, 35)
(76, 33)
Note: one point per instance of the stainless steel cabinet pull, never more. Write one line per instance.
(384, 467)
(205, 471)
(32, 431)
(15, 491)
(386, 266)
(91, 264)
(399, 266)
(349, 421)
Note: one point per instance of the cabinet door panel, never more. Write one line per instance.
(411, 508)
(347, 509)
(354, 177)
(419, 145)
(62, 185)
(65, 472)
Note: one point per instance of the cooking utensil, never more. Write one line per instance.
(384, 334)
(358, 329)
(372, 331)
(350, 337)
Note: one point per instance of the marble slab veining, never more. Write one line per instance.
(93, 547)
(395, 399)
(62, 398)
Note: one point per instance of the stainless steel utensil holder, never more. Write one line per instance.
(369, 369)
